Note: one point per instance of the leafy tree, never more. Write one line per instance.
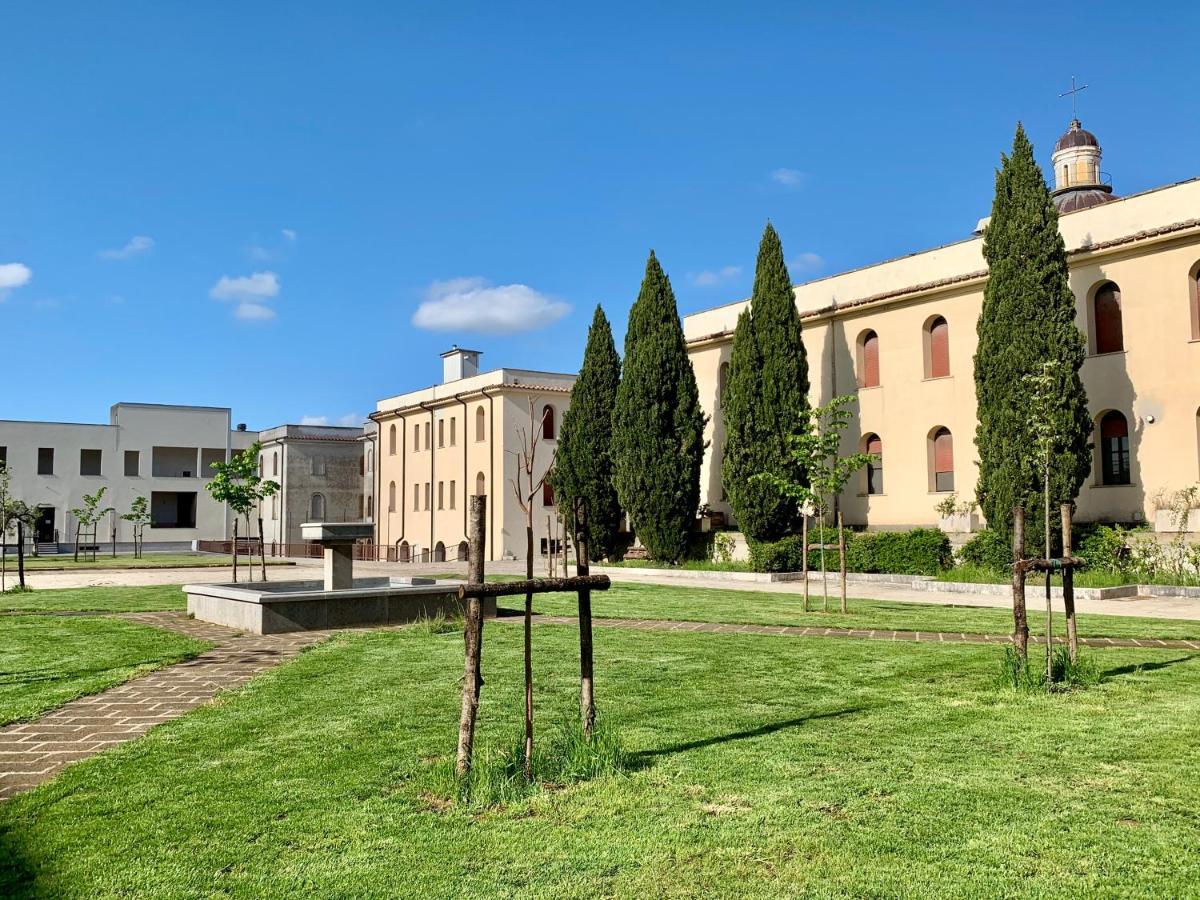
(658, 428)
(1028, 320)
(138, 517)
(816, 451)
(88, 516)
(584, 466)
(765, 400)
(238, 484)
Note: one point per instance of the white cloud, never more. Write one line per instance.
(472, 304)
(789, 178)
(259, 254)
(710, 278)
(314, 420)
(13, 276)
(137, 245)
(289, 234)
(805, 263)
(350, 420)
(250, 293)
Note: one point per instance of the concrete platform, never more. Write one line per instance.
(277, 607)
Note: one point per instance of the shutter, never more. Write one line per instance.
(871, 360)
(875, 447)
(939, 349)
(1109, 336)
(943, 461)
(1113, 426)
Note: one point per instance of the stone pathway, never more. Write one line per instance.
(934, 637)
(34, 752)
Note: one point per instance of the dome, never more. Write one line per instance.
(1076, 199)
(1076, 136)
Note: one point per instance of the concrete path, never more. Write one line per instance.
(34, 752)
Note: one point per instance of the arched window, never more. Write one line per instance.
(275, 463)
(480, 419)
(1194, 300)
(464, 550)
(439, 552)
(392, 440)
(391, 496)
(547, 422)
(722, 380)
(1114, 448)
(316, 508)
(937, 348)
(403, 552)
(873, 446)
(547, 494)
(868, 359)
(370, 506)
(370, 459)
(480, 485)
(941, 456)
(1106, 318)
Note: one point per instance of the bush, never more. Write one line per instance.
(1105, 549)
(922, 551)
(988, 550)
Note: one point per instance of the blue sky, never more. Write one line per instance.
(246, 205)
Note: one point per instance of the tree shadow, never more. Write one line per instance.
(1133, 668)
(642, 758)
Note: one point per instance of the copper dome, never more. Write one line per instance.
(1076, 136)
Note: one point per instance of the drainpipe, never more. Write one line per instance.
(491, 485)
(466, 416)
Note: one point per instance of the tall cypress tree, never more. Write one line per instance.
(658, 428)
(583, 465)
(1028, 319)
(766, 400)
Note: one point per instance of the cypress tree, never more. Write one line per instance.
(583, 464)
(766, 400)
(1028, 319)
(658, 428)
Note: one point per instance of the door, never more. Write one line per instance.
(45, 525)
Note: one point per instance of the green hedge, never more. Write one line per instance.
(922, 551)
(988, 550)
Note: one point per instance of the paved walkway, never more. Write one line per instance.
(34, 752)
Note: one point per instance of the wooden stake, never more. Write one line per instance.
(262, 549)
(1069, 586)
(842, 558)
(587, 695)
(472, 639)
(235, 524)
(804, 562)
(1020, 622)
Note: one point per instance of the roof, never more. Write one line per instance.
(1082, 198)
(1076, 136)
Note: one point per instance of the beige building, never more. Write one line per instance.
(901, 335)
(439, 445)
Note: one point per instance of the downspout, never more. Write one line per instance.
(491, 472)
(466, 416)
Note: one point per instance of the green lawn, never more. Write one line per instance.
(47, 660)
(645, 601)
(150, 598)
(763, 766)
(149, 561)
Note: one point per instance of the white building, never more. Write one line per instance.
(162, 453)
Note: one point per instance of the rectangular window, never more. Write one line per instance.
(428, 433)
(452, 421)
(441, 432)
(210, 455)
(90, 462)
(174, 462)
(547, 494)
(416, 498)
(45, 460)
(1115, 453)
(318, 465)
(428, 493)
(133, 463)
(360, 506)
(173, 509)
(416, 437)
(441, 495)
(3, 457)
(452, 491)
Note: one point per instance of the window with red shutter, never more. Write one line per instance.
(939, 348)
(868, 367)
(943, 460)
(1106, 315)
(1114, 449)
(874, 447)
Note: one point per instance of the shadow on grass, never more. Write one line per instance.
(644, 756)
(1134, 668)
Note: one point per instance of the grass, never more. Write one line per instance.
(760, 766)
(974, 574)
(150, 598)
(47, 660)
(645, 601)
(691, 565)
(150, 561)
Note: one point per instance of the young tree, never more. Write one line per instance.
(527, 486)
(138, 518)
(583, 467)
(817, 452)
(87, 517)
(237, 484)
(658, 427)
(1028, 320)
(765, 400)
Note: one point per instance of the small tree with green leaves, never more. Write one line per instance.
(138, 518)
(14, 514)
(237, 484)
(816, 451)
(87, 517)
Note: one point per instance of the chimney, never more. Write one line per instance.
(241, 426)
(458, 363)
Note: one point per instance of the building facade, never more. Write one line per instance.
(901, 335)
(437, 446)
(321, 472)
(162, 453)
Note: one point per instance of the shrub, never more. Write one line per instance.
(1105, 549)
(922, 551)
(786, 555)
(989, 550)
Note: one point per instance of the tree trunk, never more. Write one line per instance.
(472, 639)
(1069, 586)
(250, 547)
(262, 549)
(804, 562)
(235, 525)
(842, 558)
(114, 535)
(77, 541)
(824, 570)
(1049, 607)
(587, 696)
(3, 562)
(1020, 622)
(21, 554)
(529, 636)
